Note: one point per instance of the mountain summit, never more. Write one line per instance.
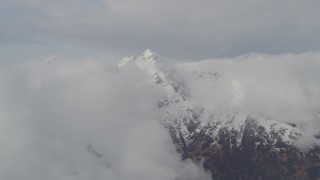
(232, 142)
(148, 56)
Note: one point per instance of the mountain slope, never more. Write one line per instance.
(217, 128)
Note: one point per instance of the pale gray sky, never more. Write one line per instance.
(182, 29)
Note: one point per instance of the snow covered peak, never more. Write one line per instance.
(149, 54)
(219, 90)
(147, 62)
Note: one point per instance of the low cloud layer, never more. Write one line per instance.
(88, 119)
(74, 120)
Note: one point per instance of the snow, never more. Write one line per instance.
(211, 85)
(148, 54)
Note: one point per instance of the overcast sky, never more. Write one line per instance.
(181, 29)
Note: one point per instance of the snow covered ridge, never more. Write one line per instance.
(279, 94)
(250, 117)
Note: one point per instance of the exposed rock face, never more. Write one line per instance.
(253, 158)
(232, 145)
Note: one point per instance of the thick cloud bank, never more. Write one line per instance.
(80, 120)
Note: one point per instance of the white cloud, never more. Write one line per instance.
(63, 119)
(76, 120)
